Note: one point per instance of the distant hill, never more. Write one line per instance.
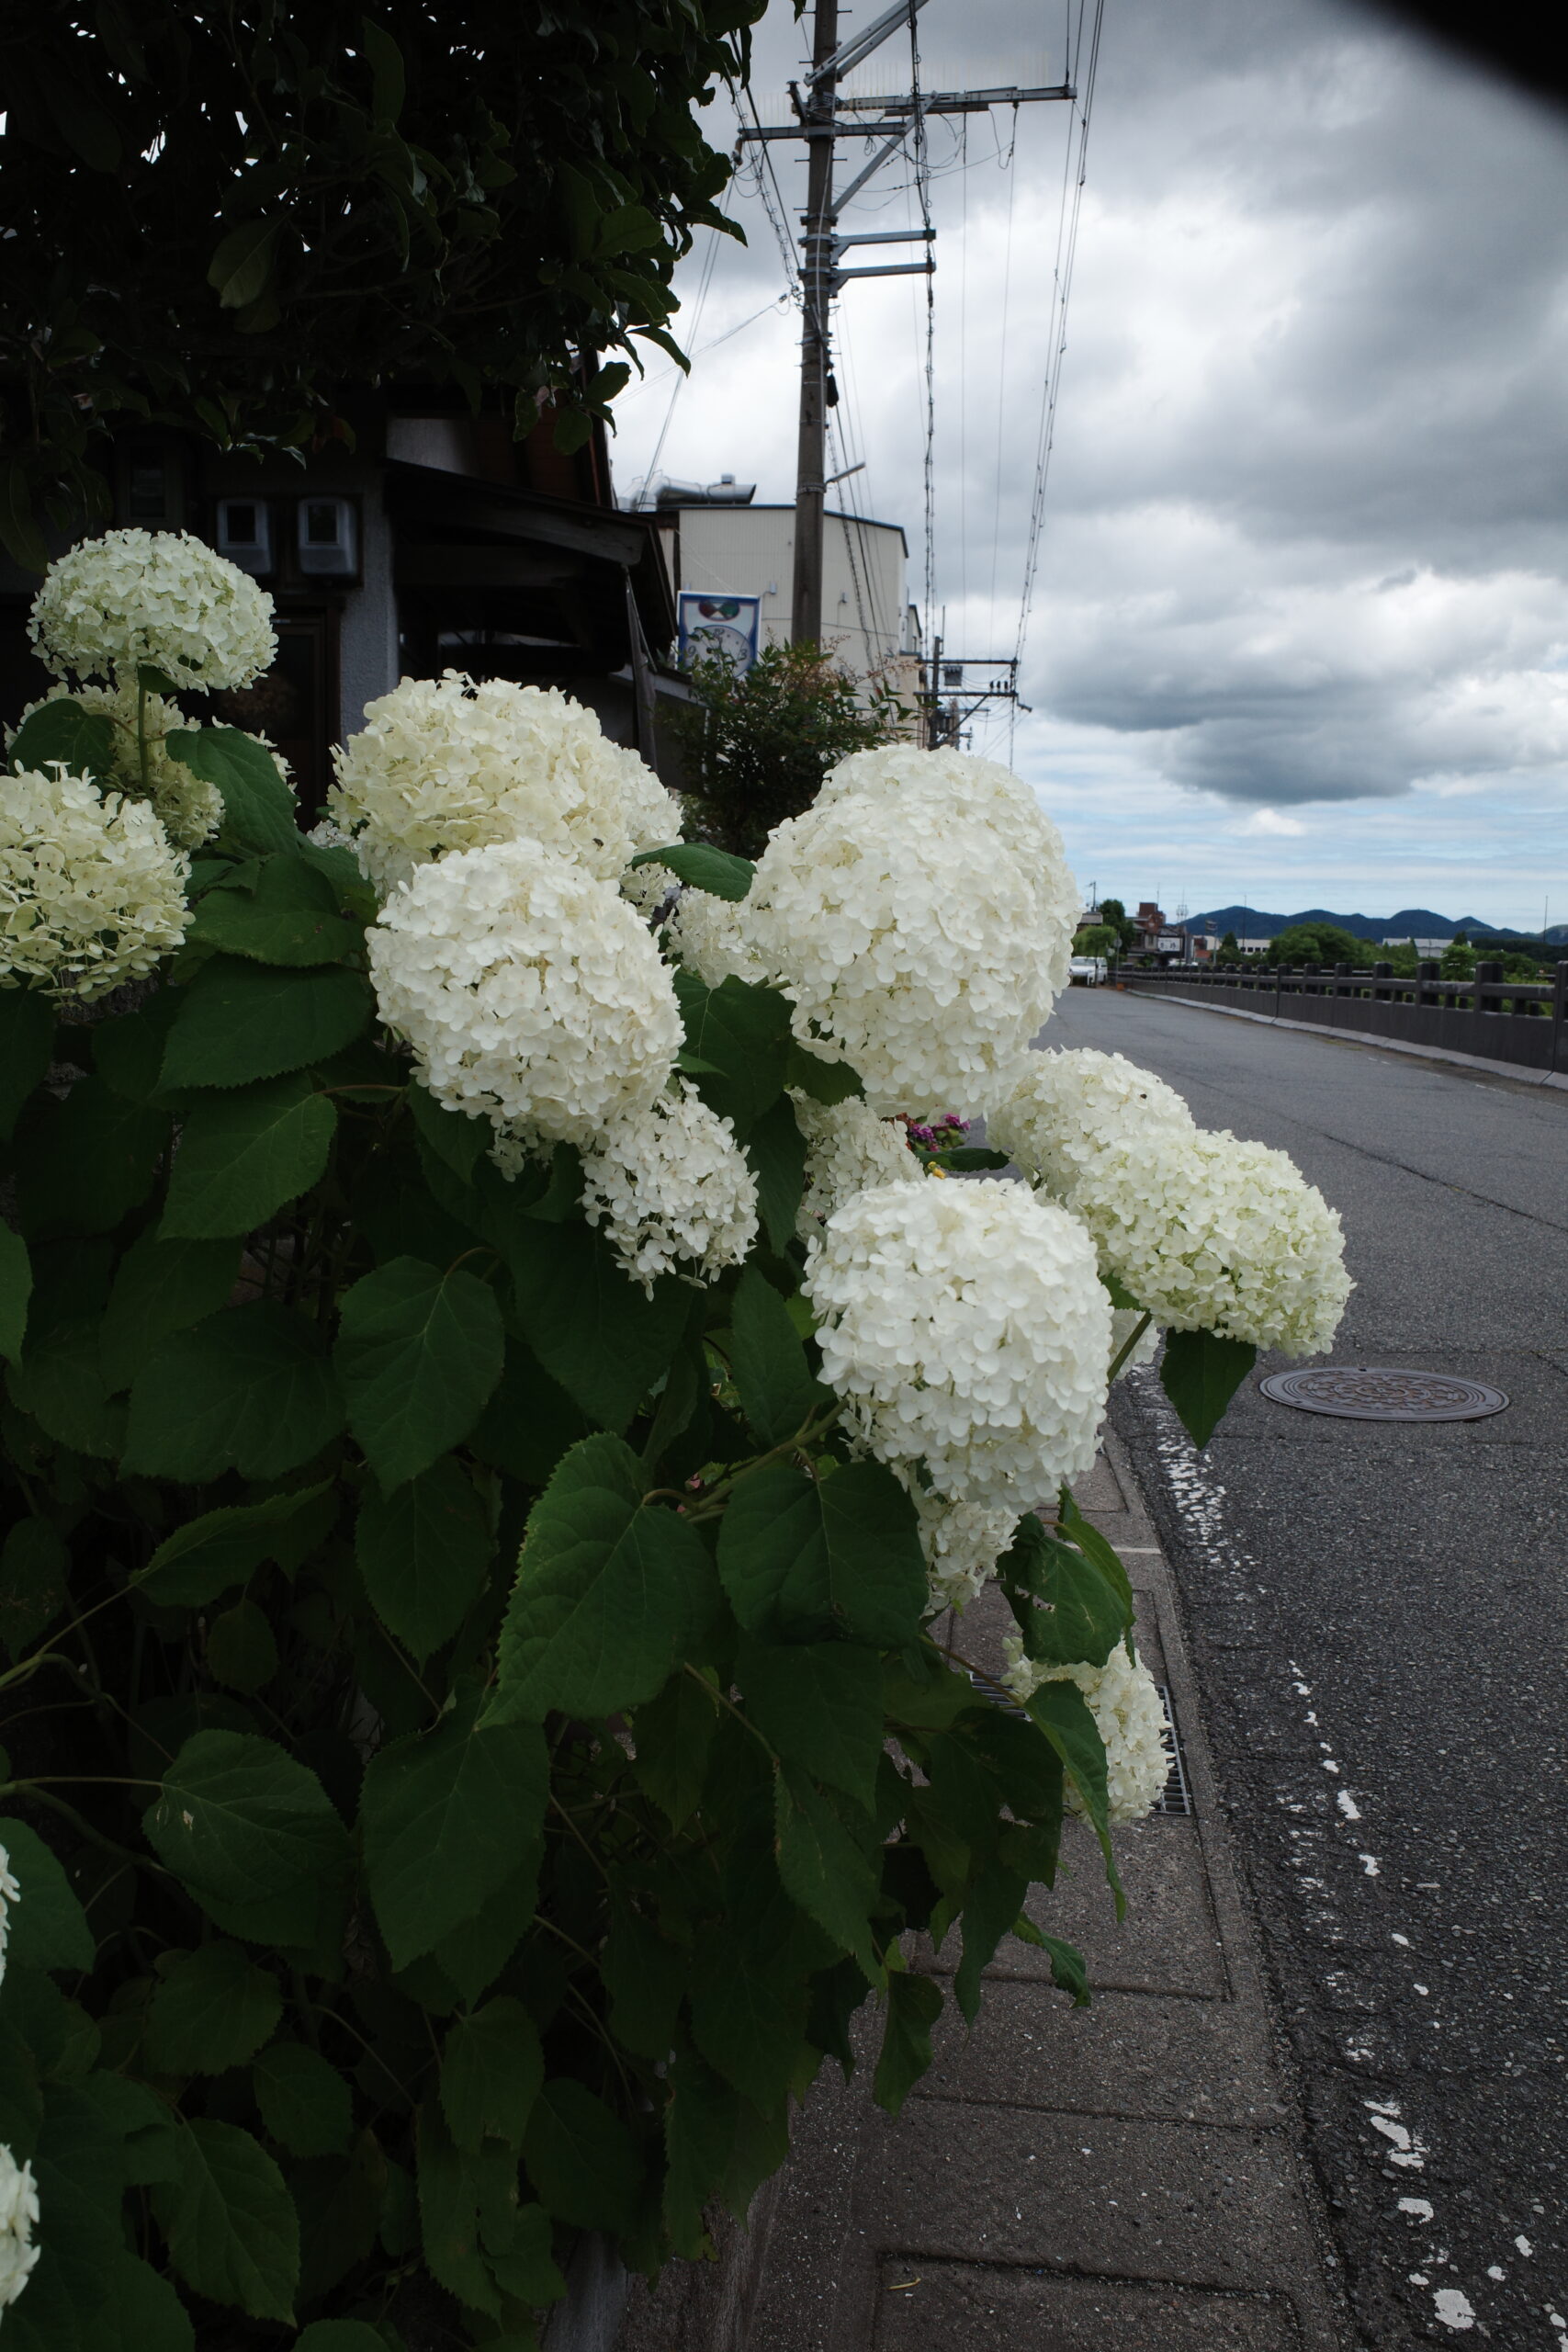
(1409, 922)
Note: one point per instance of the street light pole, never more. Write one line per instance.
(817, 258)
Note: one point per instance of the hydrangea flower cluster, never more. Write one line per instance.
(442, 764)
(530, 993)
(673, 1190)
(1072, 1112)
(909, 941)
(710, 937)
(190, 811)
(92, 891)
(1212, 1233)
(19, 2219)
(965, 1326)
(10, 1894)
(962, 1541)
(1129, 1715)
(158, 599)
(988, 796)
(848, 1149)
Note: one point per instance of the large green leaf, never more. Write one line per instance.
(778, 1392)
(290, 916)
(16, 1289)
(1074, 1615)
(206, 1556)
(65, 730)
(448, 1816)
(424, 1554)
(738, 1040)
(259, 811)
(418, 1353)
(241, 1021)
(84, 1162)
(239, 1818)
(674, 1734)
(914, 2004)
(472, 1955)
(819, 1705)
(233, 2231)
(704, 867)
(27, 1046)
(607, 1587)
(211, 2010)
(79, 2166)
(597, 1334)
(305, 2103)
(529, 1422)
(244, 1156)
(802, 1558)
(1063, 1716)
(250, 1389)
(145, 2312)
(747, 2015)
(161, 1287)
(451, 2189)
(61, 1382)
(582, 2158)
(35, 1566)
(645, 1976)
(491, 2070)
(1201, 1373)
(718, 2145)
(48, 1925)
(460, 1143)
(127, 1051)
(993, 1903)
(776, 1150)
(826, 1869)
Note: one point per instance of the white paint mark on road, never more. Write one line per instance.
(1454, 2308)
(1416, 2207)
(1348, 1805)
(1401, 1939)
(1525, 2247)
(1371, 1866)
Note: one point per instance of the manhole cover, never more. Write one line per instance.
(1360, 1393)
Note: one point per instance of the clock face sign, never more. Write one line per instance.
(712, 623)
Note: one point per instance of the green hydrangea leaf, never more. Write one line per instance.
(914, 2004)
(607, 1589)
(250, 1389)
(241, 1651)
(241, 1021)
(1201, 1373)
(239, 1819)
(582, 2158)
(161, 1287)
(290, 917)
(674, 1734)
(34, 1566)
(60, 1382)
(776, 1150)
(491, 2069)
(259, 811)
(81, 1164)
(211, 2010)
(244, 1156)
(305, 2103)
(597, 1334)
(801, 1557)
(715, 871)
(748, 2015)
(424, 1553)
(206, 1556)
(232, 2229)
(778, 1392)
(418, 1352)
(448, 1816)
(1073, 1615)
(1063, 1716)
(26, 1047)
(825, 1870)
(819, 1705)
(738, 1040)
(48, 1928)
(719, 2145)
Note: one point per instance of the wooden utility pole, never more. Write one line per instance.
(811, 462)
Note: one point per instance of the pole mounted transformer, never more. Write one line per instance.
(824, 117)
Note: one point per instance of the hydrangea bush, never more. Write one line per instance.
(503, 1409)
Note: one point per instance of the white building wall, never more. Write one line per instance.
(749, 551)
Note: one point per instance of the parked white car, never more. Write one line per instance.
(1087, 971)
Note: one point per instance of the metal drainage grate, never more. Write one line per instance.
(1362, 1392)
(1175, 1797)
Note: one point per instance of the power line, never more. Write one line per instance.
(922, 188)
(1061, 287)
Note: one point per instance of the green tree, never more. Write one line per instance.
(1111, 910)
(1459, 960)
(1320, 942)
(230, 222)
(757, 743)
(1097, 939)
(1230, 949)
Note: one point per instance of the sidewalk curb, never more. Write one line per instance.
(1518, 1072)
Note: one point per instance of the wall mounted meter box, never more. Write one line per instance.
(245, 533)
(328, 543)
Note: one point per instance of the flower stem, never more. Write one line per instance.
(1134, 1336)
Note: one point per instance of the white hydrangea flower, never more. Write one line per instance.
(711, 938)
(1215, 1234)
(965, 1326)
(154, 597)
(848, 1149)
(1128, 1714)
(908, 942)
(989, 794)
(648, 887)
(19, 2219)
(443, 764)
(326, 834)
(963, 1542)
(530, 993)
(10, 1893)
(190, 811)
(92, 890)
(674, 1191)
(1073, 1110)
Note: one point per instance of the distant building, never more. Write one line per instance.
(1422, 946)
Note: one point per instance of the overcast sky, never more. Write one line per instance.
(1300, 633)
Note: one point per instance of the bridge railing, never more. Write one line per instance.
(1500, 1020)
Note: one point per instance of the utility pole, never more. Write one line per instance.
(822, 118)
(811, 460)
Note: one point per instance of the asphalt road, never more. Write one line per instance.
(1378, 1620)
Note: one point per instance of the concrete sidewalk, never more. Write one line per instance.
(1124, 2178)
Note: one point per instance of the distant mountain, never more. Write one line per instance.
(1409, 922)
